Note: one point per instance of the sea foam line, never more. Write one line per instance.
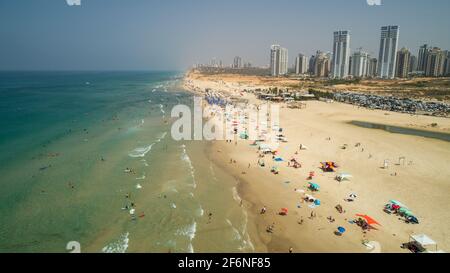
(185, 157)
(188, 231)
(141, 151)
(119, 246)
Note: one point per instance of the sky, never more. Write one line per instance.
(175, 34)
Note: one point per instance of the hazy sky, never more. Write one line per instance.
(174, 34)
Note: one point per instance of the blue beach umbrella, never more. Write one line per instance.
(341, 229)
(314, 186)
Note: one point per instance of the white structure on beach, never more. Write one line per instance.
(341, 54)
(278, 60)
(301, 64)
(388, 52)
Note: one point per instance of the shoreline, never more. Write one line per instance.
(375, 186)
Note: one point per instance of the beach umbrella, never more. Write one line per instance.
(395, 202)
(317, 202)
(341, 229)
(369, 219)
(314, 186)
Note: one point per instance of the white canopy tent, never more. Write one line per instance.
(423, 241)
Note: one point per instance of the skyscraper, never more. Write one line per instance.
(278, 60)
(422, 58)
(341, 54)
(373, 67)
(360, 64)
(412, 64)
(237, 62)
(388, 51)
(301, 64)
(435, 63)
(447, 64)
(403, 62)
(322, 64)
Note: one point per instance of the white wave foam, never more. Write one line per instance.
(161, 108)
(185, 157)
(236, 196)
(188, 231)
(163, 135)
(141, 151)
(119, 246)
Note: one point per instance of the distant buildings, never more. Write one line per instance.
(301, 64)
(237, 62)
(388, 51)
(403, 63)
(447, 65)
(360, 64)
(422, 58)
(413, 64)
(372, 69)
(278, 60)
(435, 62)
(322, 64)
(341, 54)
(391, 62)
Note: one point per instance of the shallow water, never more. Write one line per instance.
(402, 130)
(66, 142)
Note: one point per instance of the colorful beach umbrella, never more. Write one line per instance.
(395, 202)
(369, 219)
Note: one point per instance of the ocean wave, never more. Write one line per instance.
(185, 157)
(236, 234)
(200, 211)
(163, 135)
(145, 162)
(236, 196)
(188, 231)
(141, 178)
(161, 108)
(245, 244)
(119, 246)
(141, 151)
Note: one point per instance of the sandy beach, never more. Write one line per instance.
(417, 175)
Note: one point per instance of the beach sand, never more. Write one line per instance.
(421, 181)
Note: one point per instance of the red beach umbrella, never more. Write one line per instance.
(369, 219)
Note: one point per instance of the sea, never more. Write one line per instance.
(88, 164)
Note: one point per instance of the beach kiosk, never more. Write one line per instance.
(418, 244)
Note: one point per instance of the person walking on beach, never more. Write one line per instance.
(263, 210)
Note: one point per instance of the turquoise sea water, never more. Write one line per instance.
(66, 140)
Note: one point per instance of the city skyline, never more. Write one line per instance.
(100, 35)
